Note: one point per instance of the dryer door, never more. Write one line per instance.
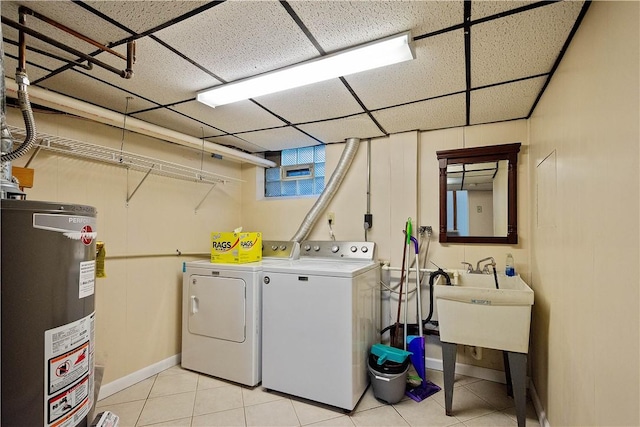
(217, 307)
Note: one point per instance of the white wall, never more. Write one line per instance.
(138, 303)
(585, 188)
(404, 183)
(480, 213)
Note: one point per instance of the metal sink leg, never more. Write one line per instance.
(515, 370)
(449, 351)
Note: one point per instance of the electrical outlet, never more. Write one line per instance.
(331, 217)
(425, 229)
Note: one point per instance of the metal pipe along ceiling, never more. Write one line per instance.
(102, 115)
(330, 190)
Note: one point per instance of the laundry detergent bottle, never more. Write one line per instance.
(510, 267)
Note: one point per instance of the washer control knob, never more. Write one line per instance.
(307, 248)
(266, 280)
(335, 248)
(274, 247)
(354, 249)
(316, 248)
(283, 247)
(364, 249)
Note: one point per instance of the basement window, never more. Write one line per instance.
(300, 172)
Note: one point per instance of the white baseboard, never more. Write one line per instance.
(542, 415)
(120, 384)
(470, 371)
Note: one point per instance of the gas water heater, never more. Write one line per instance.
(47, 300)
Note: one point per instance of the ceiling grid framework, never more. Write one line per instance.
(476, 62)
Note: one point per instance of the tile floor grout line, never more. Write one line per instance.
(489, 403)
(195, 398)
(155, 377)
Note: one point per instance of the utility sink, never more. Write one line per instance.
(473, 312)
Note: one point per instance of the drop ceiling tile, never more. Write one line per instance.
(68, 14)
(35, 59)
(340, 24)
(436, 113)
(279, 139)
(235, 142)
(360, 126)
(238, 39)
(319, 101)
(85, 88)
(175, 121)
(232, 118)
(439, 69)
(520, 45)
(482, 9)
(140, 16)
(37, 65)
(158, 74)
(504, 102)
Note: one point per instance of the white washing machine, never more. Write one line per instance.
(221, 315)
(320, 317)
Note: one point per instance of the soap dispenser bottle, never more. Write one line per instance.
(510, 268)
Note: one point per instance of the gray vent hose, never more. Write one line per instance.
(332, 186)
(27, 114)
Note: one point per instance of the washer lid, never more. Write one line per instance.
(322, 267)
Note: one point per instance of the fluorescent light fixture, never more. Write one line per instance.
(386, 51)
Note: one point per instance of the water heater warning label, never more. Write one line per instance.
(87, 278)
(66, 369)
(68, 372)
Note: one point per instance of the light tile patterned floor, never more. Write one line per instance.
(178, 397)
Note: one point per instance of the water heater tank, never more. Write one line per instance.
(47, 301)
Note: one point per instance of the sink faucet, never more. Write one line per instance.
(485, 269)
(469, 266)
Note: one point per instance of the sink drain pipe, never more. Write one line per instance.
(330, 189)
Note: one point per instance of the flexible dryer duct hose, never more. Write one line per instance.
(332, 186)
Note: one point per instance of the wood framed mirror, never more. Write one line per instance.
(479, 194)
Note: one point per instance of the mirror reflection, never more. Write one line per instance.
(477, 199)
(478, 194)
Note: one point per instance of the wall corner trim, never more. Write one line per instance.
(542, 415)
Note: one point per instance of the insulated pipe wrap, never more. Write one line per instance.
(332, 186)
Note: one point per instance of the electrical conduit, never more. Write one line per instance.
(29, 122)
(330, 189)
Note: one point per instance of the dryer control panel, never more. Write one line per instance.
(337, 249)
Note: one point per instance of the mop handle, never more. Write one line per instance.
(409, 236)
(418, 298)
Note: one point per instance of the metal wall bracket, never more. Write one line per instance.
(129, 197)
(205, 197)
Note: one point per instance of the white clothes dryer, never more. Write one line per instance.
(221, 315)
(320, 317)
